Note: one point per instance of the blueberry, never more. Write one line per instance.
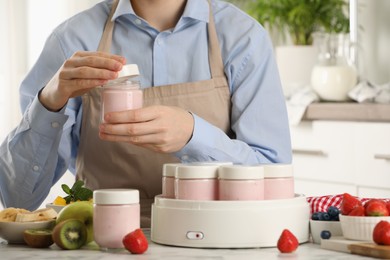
(324, 216)
(325, 234)
(315, 216)
(333, 212)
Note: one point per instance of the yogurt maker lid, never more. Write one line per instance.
(116, 196)
(197, 171)
(241, 172)
(278, 170)
(128, 71)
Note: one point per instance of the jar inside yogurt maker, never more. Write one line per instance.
(196, 181)
(278, 181)
(240, 182)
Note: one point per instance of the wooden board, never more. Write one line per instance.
(370, 249)
(337, 243)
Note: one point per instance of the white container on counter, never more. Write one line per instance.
(196, 181)
(168, 180)
(123, 93)
(239, 182)
(278, 181)
(116, 213)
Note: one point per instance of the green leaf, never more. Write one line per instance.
(68, 199)
(77, 185)
(66, 189)
(83, 194)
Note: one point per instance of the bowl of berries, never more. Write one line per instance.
(359, 219)
(323, 225)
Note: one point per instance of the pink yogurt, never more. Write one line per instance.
(196, 182)
(121, 98)
(278, 181)
(238, 182)
(116, 213)
(123, 93)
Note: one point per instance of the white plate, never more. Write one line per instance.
(57, 208)
(12, 232)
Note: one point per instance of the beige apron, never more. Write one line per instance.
(103, 164)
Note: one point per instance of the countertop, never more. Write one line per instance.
(307, 251)
(349, 111)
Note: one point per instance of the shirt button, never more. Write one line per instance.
(55, 124)
(36, 168)
(138, 21)
(159, 41)
(185, 157)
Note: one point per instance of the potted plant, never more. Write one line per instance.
(298, 21)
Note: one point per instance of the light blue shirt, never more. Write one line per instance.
(44, 145)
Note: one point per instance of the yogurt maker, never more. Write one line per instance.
(228, 224)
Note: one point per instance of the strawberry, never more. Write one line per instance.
(349, 203)
(376, 207)
(135, 242)
(287, 242)
(358, 211)
(381, 233)
(388, 206)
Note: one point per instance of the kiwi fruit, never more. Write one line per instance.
(38, 238)
(70, 234)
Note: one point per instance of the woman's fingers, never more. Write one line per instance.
(159, 128)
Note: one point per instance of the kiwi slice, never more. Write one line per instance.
(70, 234)
(39, 238)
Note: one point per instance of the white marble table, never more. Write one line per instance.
(307, 251)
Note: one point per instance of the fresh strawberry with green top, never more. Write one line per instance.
(376, 207)
(358, 211)
(348, 203)
(381, 233)
(287, 242)
(135, 242)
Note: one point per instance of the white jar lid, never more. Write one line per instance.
(169, 169)
(278, 170)
(197, 171)
(241, 172)
(116, 196)
(128, 71)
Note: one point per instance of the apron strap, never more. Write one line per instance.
(105, 42)
(215, 58)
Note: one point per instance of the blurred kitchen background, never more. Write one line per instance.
(25, 25)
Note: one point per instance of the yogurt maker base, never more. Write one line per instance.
(228, 224)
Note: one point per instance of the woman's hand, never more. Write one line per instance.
(80, 73)
(161, 129)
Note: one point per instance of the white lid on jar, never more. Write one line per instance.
(241, 172)
(128, 71)
(169, 169)
(278, 170)
(116, 196)
(197, 171)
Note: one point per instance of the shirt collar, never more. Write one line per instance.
(195, 9)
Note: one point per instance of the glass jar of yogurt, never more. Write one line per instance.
(278, 181)
(196, 181)
(123, 93)
(168, 180)
(240, 182)
(116, 213)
